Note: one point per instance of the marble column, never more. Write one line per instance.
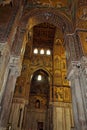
(74, 104)
(77, 100)
(4, 67)
(83, 82)
(7, 98)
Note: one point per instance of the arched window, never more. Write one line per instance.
(35, 51)
(42, 51)
(48, 52)
(37, 104)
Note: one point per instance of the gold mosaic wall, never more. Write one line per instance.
(55, 64)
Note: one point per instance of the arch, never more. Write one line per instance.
(42, 85)
(45, 70)
(42, 68)
(44, 73)
(39, 96)
(50, 15)
(37, 16)
(37, 103)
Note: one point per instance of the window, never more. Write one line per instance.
(37, 104)
(48, 52)
(42, 51)
(39, 78)
(35, 51)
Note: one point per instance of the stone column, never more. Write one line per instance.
(74, 103)
(7, 98)
(77, 99)
(83, 81)
(4, 67)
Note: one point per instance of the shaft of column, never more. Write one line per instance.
(77, 101)
(7, 99)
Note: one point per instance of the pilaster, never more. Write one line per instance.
(62, 116)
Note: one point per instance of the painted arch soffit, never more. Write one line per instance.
(52, 16)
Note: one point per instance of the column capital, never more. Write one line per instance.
(84, 64)
(4, 49)
(15, 71)
(15, 65)
(73, 70)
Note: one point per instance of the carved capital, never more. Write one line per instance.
(74, 70)
(15, 65)
(78, 67)
(15, 71)
(84, 62)
(4, 48)
(84, 65)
